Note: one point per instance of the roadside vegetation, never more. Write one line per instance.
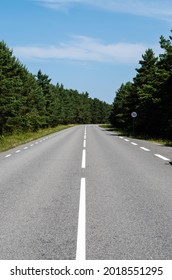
(160, 141)
(11, 141)
(30, 102)
(150, 95)
(31, 106)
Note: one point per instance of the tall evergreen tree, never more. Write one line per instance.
(29, 102)
(150, 95)
(145, 84)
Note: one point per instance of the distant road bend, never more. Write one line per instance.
(86, 193)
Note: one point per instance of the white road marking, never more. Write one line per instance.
(9, 155)
(135, 144)
(84, 144)
(145, 149)
(162, 157)
(83, 159)
(121, 137)
(81, 237)
(126, 140)
(40, 141)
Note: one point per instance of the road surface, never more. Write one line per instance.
(86, 193)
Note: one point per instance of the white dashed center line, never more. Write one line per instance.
(83, 159)
(81, 238)
(84, 144)
(18, 151)
(126, 140)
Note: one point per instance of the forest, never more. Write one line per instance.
(30, 102)
(149, 95)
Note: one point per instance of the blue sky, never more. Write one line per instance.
(88, 45)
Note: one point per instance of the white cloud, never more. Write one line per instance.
(161, 9)
(81, 48)
(58, 4)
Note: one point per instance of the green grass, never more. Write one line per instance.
(11, 141)
(164, 142)
(161, 141)
(109, 127)
(105, 125)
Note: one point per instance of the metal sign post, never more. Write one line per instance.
(134, 115)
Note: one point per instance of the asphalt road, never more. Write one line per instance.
(86, 180)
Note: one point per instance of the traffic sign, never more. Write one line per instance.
(134, 114)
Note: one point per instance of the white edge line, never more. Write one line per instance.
(9, 155)
(145, 149)
(81, 237)
(162, 157)
(135, 144)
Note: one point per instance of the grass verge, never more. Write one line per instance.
(109, 127)
(106, 125)
(11, 141)
(164, 142)
(159, 141)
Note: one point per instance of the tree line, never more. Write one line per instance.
(29, 102)
(149, 94)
